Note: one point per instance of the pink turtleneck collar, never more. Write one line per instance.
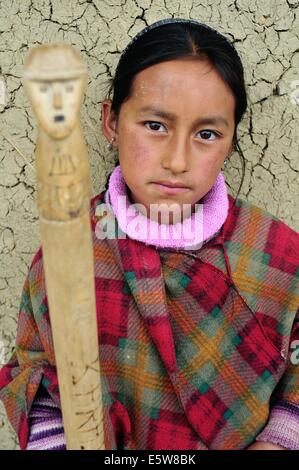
(190, 234)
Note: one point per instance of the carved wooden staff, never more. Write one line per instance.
(55, 79)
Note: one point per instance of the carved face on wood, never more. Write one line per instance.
(56, 104)
(55, 79)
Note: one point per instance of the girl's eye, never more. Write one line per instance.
(153, 124)
(206, 134)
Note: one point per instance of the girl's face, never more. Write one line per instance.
(176, 127)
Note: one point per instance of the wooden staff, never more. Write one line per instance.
(55, 79)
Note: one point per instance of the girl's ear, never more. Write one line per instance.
(109, 121)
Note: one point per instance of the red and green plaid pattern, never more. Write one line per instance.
(193, 344)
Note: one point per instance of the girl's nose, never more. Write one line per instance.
(176, 158)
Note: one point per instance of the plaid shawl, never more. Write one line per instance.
(195, 346)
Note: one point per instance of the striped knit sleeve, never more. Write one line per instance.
(283, 426)
(45, 423)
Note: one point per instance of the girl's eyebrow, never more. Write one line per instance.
(216, 120)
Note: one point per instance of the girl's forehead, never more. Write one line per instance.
(181, 91)
(181, 80)
(179, 67)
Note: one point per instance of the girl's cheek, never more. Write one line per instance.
(216, 156)
(140, 155)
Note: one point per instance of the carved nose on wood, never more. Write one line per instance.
(57, 99)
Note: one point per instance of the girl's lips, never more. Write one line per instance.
(168, 189)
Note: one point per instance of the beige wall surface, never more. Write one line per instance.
(266, 35)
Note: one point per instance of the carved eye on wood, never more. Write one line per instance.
(43, 88)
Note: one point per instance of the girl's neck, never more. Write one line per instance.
(190, 234)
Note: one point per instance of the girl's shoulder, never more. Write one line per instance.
(94, 202)
(36, 267)
(258, 229)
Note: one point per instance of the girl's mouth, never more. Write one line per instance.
(170, 189)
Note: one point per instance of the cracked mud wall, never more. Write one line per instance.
(266, 35)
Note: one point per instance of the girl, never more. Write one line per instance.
(196, 331)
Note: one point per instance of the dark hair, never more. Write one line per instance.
(176, 38)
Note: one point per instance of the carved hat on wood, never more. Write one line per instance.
(54, 61)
